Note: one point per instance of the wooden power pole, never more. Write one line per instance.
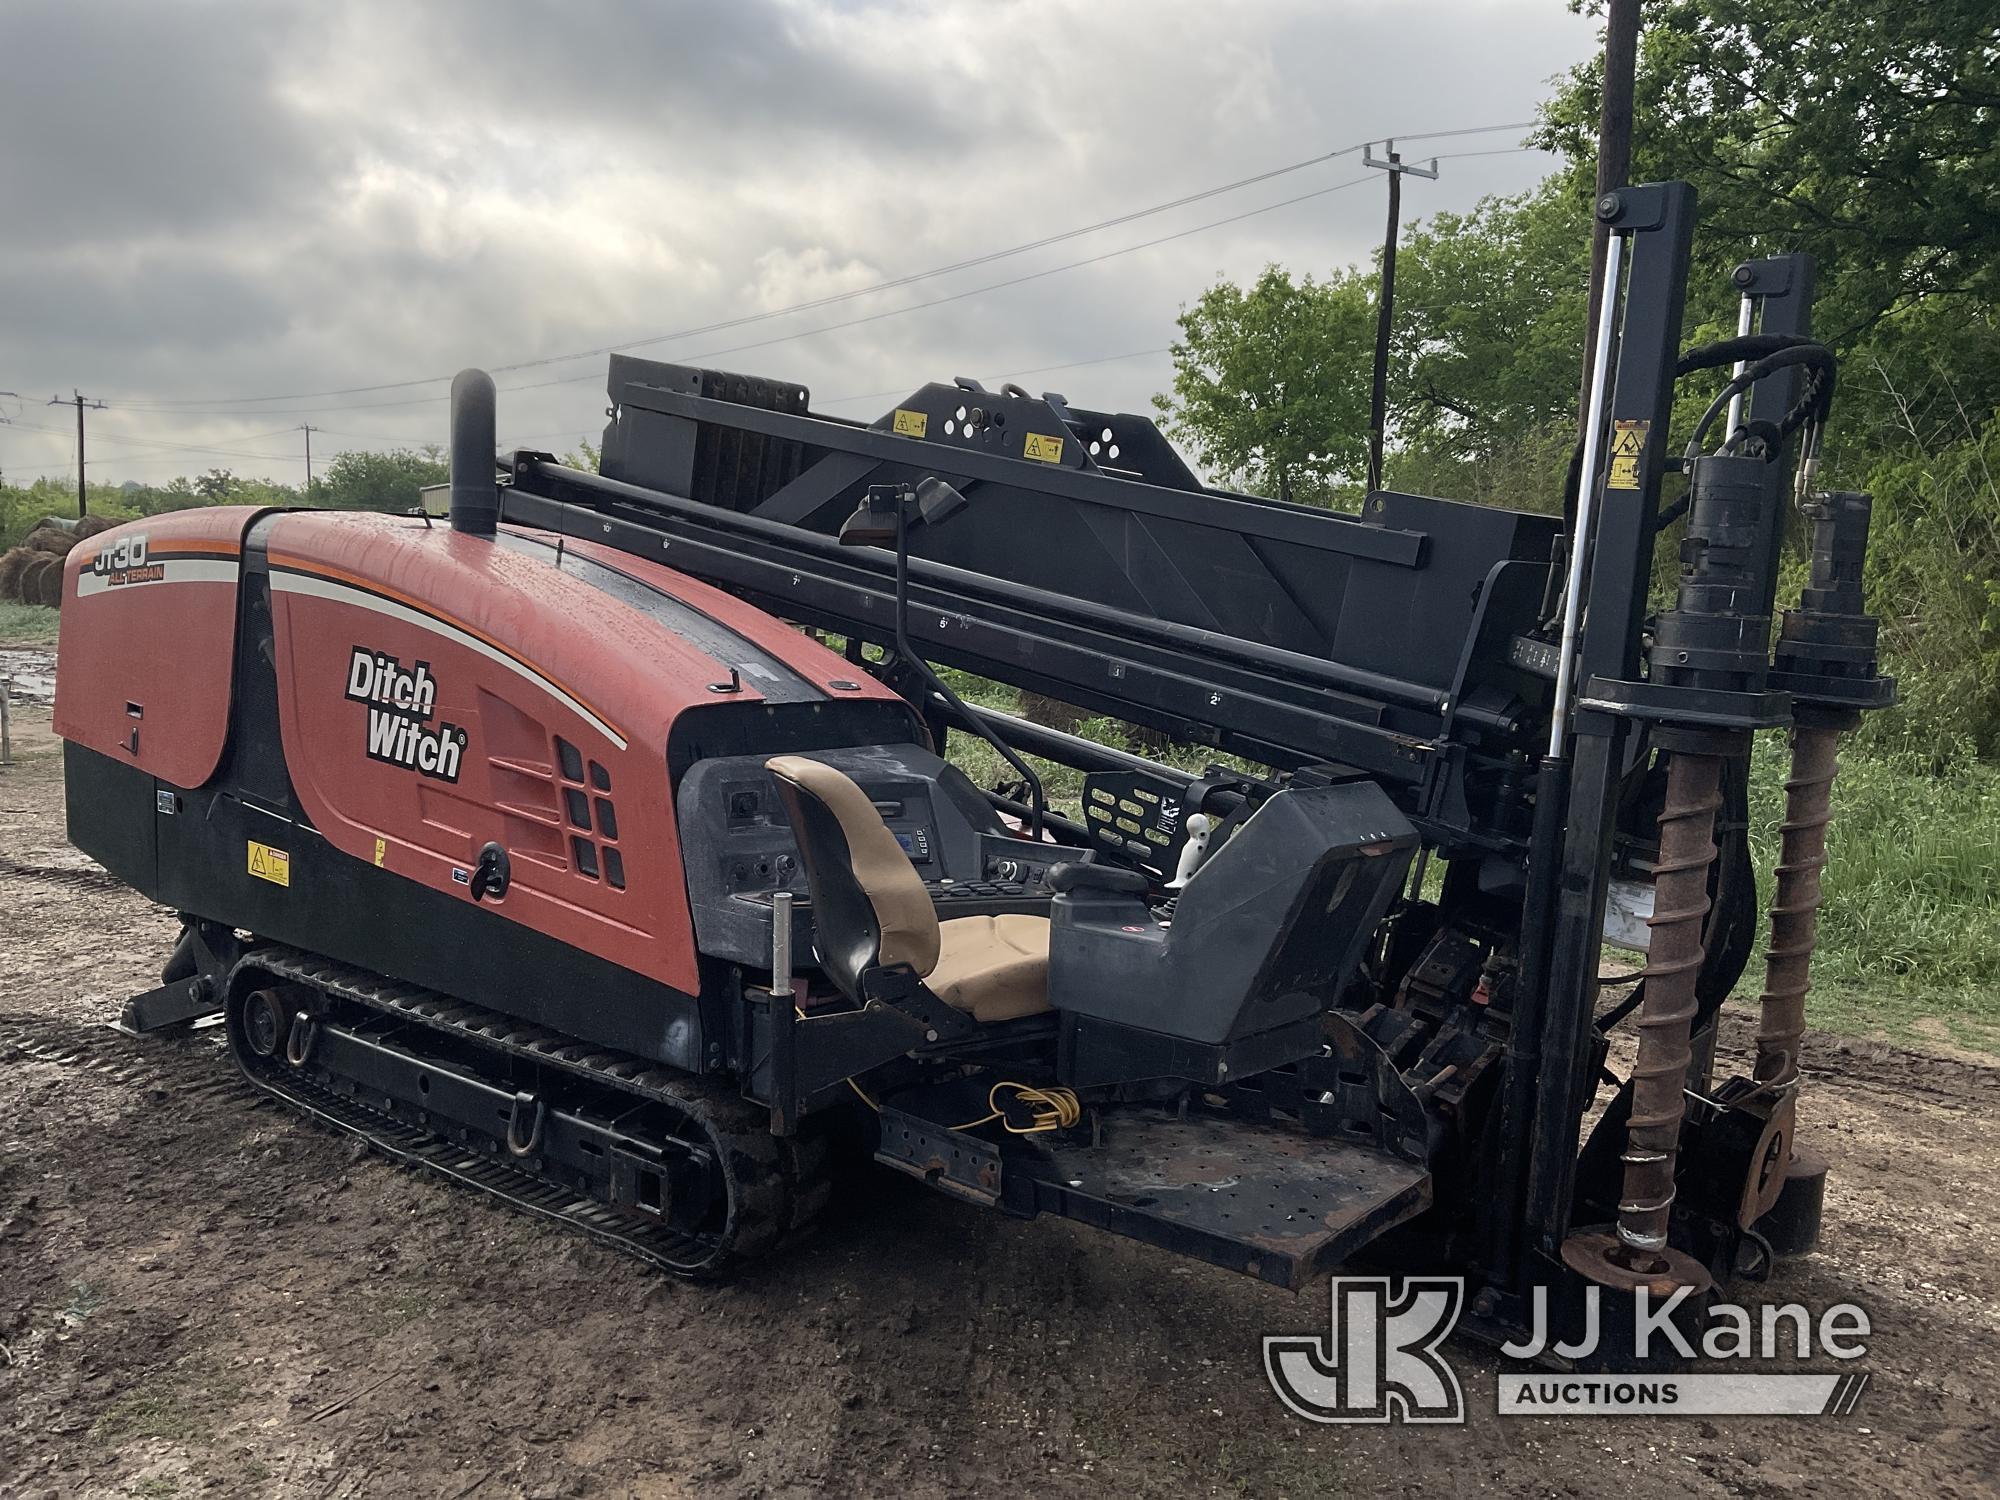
(1614, 164)
(1385, 309)
(80, 402)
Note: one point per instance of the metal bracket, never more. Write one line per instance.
(957, 1163)
(1394, 162)
(1709, 708)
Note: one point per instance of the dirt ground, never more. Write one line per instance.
(201, 1295)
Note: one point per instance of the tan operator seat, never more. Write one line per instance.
(993, 968)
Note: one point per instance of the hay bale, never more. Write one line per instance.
(50, 539)
(10, 571)
(91, 525)
(34, 569)
(52, 584)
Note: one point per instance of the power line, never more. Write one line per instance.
(835, 298)
(406, 401)
(144, 445)
(153, 461)
(1497, 151)
(584, 435)
(894, 312)
(1074, 364)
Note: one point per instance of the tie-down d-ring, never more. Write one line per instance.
(525, 1106)
(299, 1040)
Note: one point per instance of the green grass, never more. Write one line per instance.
(1061, 785)
(1909, 928)
(27, 624)
(175, 1406)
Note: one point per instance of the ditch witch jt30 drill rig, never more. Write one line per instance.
(540, 848)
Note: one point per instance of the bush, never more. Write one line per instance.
(1913, 860)
(1934, 567)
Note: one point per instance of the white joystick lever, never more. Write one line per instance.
(1194, 851)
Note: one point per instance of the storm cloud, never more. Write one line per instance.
(210, 203)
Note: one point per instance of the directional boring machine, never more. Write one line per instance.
(553, 848)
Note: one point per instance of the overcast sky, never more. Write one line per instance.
(202, 203)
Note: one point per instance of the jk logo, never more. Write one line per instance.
(1379, 1361)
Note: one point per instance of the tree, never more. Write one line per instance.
(357, 480)
(214, 487)
(1489, 319)
(1860, 130)
(1271, 382)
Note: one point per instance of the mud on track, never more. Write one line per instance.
(200, 1295)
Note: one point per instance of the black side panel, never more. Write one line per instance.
(1388, 623)
(110, 810)
(347, 909)
(253, 761)
(711, 464)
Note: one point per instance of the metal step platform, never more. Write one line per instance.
(1262, 1200)
(1276, 1204)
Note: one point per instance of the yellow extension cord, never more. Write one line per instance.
(1054, 1108)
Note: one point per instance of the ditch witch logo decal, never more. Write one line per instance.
(400, 704)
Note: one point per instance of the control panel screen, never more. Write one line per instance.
(916, 843)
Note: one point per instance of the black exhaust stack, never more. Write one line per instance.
(475, 491)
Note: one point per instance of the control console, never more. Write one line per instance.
(739, 850)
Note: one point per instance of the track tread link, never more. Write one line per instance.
(781, 1184)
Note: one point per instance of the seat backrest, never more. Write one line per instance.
(869, 904)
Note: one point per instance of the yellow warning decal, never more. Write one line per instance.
(381, 851)
(270, 864)
(1048, 449)
(911, 423)
(1628, 447)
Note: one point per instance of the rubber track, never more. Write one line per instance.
(680, 1254)
(781, 1184)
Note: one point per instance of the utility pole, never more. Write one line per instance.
(1614, 165)
(308, 429)
(80, 402)
(1385, 311)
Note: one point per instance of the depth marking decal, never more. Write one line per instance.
(285, 581)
